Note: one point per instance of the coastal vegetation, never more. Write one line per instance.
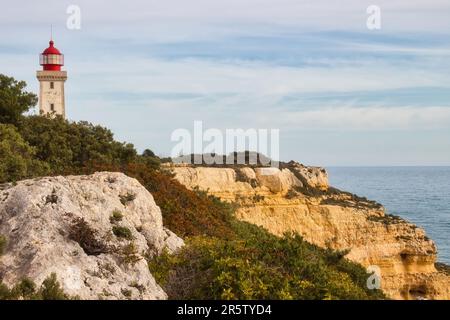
(258, 265)
(27, 290)
(3, 243)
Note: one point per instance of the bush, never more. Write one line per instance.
(126, 198)
(130, 254)
(5, 293)
(126, 292)
(149, 158)
(3, 243)
(258, 265)
(86, 238)
(51, 198)
(68, 146)
(116, 216)
(26, 290)
(17, 157)
(122, 232)
(14, 101)
(51, 289)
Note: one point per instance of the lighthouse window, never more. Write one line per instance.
(52, 85)
(52, 107)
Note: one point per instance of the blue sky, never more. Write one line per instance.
(339, 93)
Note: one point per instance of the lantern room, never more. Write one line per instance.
(51, 59)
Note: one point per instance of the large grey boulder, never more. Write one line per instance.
(63, 225)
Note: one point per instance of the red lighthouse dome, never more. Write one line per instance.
(51, 59)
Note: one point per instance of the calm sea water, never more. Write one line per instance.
(418, 194)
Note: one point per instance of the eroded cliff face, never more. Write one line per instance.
(92, 231)
(299, 199)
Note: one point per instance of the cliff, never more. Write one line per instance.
(298, 199)
(94, 232)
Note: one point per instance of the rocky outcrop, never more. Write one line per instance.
(298, 199)
(275, 180)
(229, 183)
(92, 231)
(314, 177)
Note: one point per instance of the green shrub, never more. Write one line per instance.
(51, 289)
(126, 198)
(126, 293)
(116, 216)
(5, 293)
(68, 146)
(130, 254)
(3, 243)
(17, 157)
(122, 232)
(258, 265)
(14, 101)
(51, 198)
(86, 237)
(149, 158)
(162, 265)
(26, 290)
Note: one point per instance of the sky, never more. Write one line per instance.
(340, 94)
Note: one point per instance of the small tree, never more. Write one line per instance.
(14, 101)
(17, 157)
(148, 153)
(149, 158)
(68, 146)
(51, 289)
(3, 243)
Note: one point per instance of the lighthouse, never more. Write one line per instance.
(51, 82)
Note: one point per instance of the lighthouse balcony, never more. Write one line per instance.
(51, 75)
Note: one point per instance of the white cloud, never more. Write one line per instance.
(406, 15)
(367, 118)
(204, 77)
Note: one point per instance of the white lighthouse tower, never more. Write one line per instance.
(51, 80)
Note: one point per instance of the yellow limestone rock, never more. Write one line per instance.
(329, 219)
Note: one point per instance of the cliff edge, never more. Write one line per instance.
(296, 198)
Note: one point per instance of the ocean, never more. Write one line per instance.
(418, 194)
